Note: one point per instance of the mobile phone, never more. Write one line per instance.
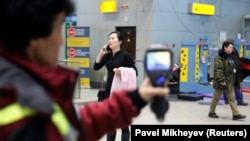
(158, 65)
(108, 48)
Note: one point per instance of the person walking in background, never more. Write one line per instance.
(36, 93)
(113, 57)
(238, 81)
(225, 70)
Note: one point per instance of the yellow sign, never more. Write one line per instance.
(184, 63)
(241, 51)
(85, 81)
(248, 53)
(197, 63)
(205, 53)
(108, 6)
(78, 42)
(84, 62)
(202, 9)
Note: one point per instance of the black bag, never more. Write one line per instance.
(101, 92)
(101, 95)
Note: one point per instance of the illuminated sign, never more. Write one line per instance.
(108, 6)
(202, 9)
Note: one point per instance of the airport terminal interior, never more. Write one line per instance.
(194, 36)
(194, 30)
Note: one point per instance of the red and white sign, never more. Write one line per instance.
(71, 52)
(71, 32)
(124, 6)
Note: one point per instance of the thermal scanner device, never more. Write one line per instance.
(158, 66)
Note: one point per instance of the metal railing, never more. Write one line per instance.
(74, 65)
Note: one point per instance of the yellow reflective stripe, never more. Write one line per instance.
(60, 120)
(13, 113)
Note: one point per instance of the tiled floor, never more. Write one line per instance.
(180, 111)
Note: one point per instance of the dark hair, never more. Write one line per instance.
(226, 44)
(22, 20)
(119, 35)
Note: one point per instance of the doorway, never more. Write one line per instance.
(129, 43)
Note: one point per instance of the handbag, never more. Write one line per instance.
(101, 92)
(101, 95)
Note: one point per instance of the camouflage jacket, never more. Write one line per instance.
(224, 72)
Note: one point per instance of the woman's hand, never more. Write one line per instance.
(117, 71)
(103, 50)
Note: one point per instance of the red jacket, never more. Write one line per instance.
(96, 118)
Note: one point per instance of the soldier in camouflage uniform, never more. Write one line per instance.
(224, 80)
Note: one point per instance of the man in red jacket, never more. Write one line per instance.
(36, 93)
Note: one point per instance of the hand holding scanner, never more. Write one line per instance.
(158, 66)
